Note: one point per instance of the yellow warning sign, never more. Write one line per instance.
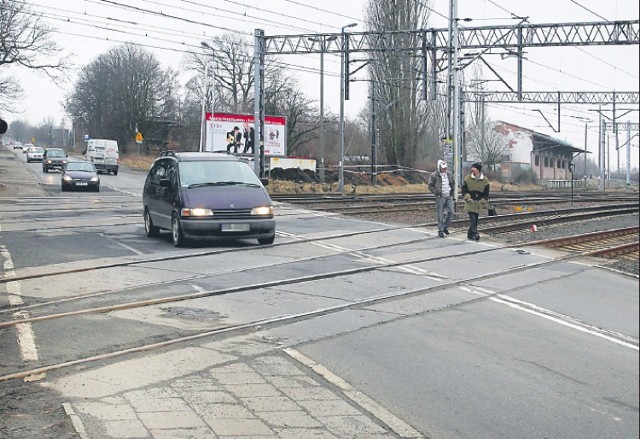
(139, 137)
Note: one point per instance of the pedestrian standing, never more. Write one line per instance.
(475, 191)
(441, 184)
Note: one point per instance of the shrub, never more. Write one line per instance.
(524, 176)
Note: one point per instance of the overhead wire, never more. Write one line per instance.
(127, 24)
(176, 17)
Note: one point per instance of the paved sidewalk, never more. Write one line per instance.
(15, 178)
(242, 387)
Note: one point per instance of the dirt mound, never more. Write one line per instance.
(398, 177)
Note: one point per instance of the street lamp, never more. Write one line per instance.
(342, 73)
(206, 93)
(322, 41)
(572, 168)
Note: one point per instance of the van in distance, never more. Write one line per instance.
(104, 154)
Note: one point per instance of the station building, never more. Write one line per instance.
(527, 149)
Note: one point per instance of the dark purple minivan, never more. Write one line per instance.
(206, 195)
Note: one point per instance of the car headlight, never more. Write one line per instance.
(262, 210)
(95, 179)
(67, 178)
(196, 211)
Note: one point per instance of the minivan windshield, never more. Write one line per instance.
(216, 173)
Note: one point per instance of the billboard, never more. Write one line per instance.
(234, 133)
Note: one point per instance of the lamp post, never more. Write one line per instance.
(322, 41)
(572, 168)
(342, 79)
(206, 93)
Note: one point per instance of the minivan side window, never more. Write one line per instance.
(172, 175)
(157, 172)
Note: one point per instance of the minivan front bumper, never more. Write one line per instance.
(228, 228)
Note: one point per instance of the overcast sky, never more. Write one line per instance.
(87, 28)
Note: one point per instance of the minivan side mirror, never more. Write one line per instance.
(265, 181)
(165, 182)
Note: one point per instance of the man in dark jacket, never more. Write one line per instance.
(441, 184)
(475, 191)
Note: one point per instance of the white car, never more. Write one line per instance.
(26, 147)
(17, 145)
(34, 154)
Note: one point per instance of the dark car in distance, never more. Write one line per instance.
(206, 195)
(79, 175)
(53, 158)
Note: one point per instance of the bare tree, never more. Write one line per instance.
(45, 130)
(490, 149)
(405, 121)
(232, 91)
(10, 92)
(19, 130)
(284, 96)
(482, 142)
(26, 42)
(122, 91)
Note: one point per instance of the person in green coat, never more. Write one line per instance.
(475, 191)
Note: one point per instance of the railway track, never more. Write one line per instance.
(616, 243)
(168, 293)
(177, 337)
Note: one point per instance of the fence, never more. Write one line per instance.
(560, 184)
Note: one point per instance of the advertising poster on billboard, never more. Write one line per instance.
(235, 133)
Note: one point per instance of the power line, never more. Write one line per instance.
(588, 10)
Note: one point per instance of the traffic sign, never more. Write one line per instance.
(139, 137)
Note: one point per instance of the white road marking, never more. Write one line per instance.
(549, 315)
(392, 421)
(26, 337)
(138, 252)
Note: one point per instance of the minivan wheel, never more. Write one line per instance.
(267, 241)
(176, 232)
(151, 230)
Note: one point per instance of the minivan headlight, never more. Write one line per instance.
(196, 211)
(262, 210)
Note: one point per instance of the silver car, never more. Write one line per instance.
(34, 154)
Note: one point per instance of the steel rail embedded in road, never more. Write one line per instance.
(626, 340)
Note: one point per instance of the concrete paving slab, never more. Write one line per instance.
(136, 373)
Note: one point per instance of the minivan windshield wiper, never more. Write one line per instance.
(223, 183)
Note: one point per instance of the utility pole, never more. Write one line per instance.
(204, 101)
(343, 79)
(453, 69)
(212, 89)
(585, 154)
(322, 152)
(373, 134)
(628, 185)
(258, 115)
(482, 130)
(601, 134)
(322, 40)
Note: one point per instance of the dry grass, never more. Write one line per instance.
(282, 187)
(137, 162)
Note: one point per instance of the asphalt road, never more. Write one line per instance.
(549, 349)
